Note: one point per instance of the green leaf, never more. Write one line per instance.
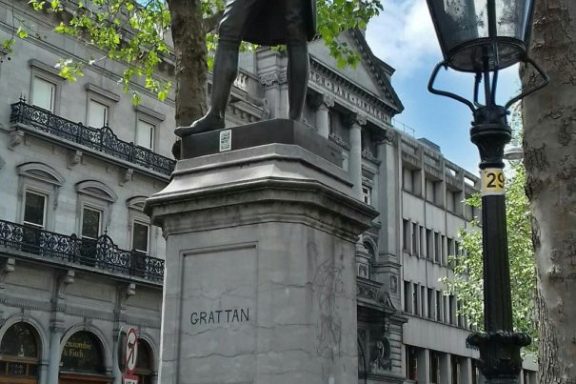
(21, 33)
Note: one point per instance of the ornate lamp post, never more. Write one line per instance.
(482, 37)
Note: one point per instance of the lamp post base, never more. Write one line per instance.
(500, 360)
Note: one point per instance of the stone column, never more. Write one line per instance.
(260, 281)
(56, 332)
(466, 371)
(116, 373)
(424, 366)
(355, 123)
(43, 374)
(323, 103)
(446, 368)
(271, 69)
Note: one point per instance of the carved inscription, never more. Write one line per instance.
(223, 316)
(346, 93)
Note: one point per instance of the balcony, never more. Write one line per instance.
(101, 140)
(100, 254)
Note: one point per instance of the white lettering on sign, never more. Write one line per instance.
(353, 98)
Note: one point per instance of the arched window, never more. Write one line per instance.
(145, 363)
(19, 355)
(83, 353)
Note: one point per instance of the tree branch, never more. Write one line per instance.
(211, 22)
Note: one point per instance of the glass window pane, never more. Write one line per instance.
(97, 114)
(43, 94)
(91, 223)
(145, 134)
(82, 353)
(34, 209)
(140, 237)
(20, 341)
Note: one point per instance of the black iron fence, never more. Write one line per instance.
(99, 253)
(100, 139)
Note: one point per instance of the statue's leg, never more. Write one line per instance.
(298, 60)
(225, 67)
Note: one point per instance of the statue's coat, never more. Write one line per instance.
(267, 26)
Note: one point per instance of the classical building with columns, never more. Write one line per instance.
(80, 263)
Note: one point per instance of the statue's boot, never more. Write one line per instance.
(298, 71)
(223, 76)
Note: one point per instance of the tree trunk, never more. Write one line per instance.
(189, 39)
(550, 159)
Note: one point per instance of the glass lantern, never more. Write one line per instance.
(480, 35)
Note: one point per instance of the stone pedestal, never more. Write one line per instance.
(260, 283)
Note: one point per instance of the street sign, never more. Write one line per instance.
(130, 379)
(131, 351)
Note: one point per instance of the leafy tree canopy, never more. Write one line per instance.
(134, 32)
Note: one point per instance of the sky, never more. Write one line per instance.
(403, 36)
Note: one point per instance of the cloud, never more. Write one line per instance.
(403, 35)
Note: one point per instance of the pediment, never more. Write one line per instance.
(371, 75)
(42, 172)
(96, 189)
(136, 203)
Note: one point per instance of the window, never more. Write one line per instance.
(95, 200)
(435, 368)
(451, 247)
(140, 236)
(411, 363)
(415, 306)
(144, 363)
(429, 244)
(19, 354)
(430, 191)
(145, 134)
(97, 114)
(439, 312)
(43, 93)
(34, 209)
(443, 253)
(406, 236)
(82, 353)
(456, 369)
(423, 300)
(422, 243)
(437, 246)
(452, 309)
(475, 372)
(40, 184)
(91, 223)
(367, 194)
(407, 296)
(431, 303)
(461, 320)
(414, 236)
(411, 180)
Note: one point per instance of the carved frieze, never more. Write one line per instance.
(344, 90)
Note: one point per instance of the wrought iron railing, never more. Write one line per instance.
(101, 253)
(100, 139)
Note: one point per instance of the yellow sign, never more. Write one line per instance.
(493, 181)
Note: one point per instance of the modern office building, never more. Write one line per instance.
(80, 262)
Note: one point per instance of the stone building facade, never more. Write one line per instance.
(80, 262)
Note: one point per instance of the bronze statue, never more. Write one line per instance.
(262, 22)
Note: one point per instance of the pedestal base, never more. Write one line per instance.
(260, 283)
(276, 131)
